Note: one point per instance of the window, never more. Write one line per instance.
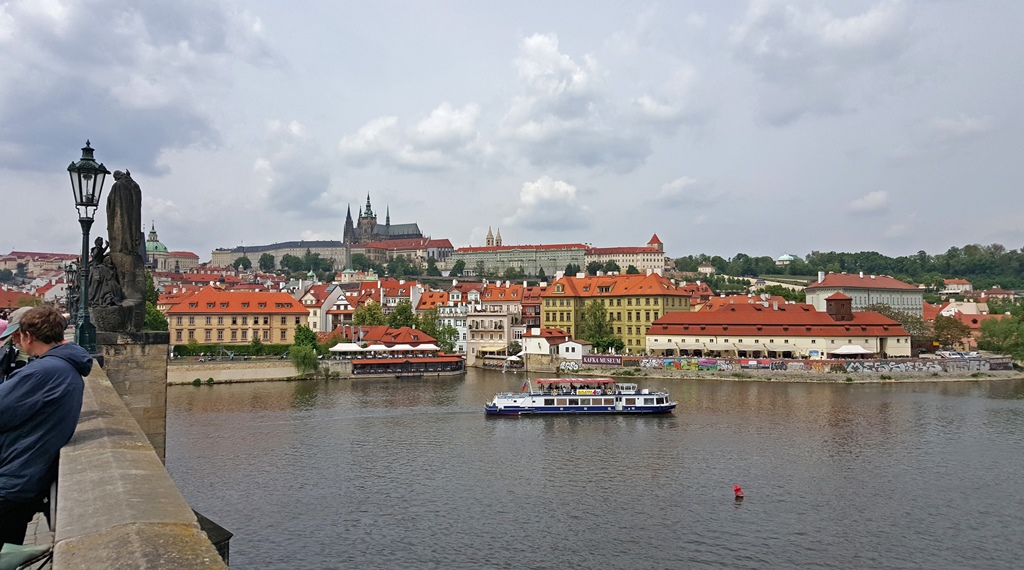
(177, 333)
(266, 335)
(234, 320)
(208, 334)
(220, 334)
(298, 320)
(245, 335)
(284, 320)
(284, 334)
(266, 320)
(191, 334)
(220, 320)
(177, 320)
(191, 320)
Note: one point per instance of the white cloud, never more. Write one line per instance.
(445, 139)
(961, 127)
(296, 172)
(870, 202)
(561, 118)
(896, 231)
(548, 204)
(812, 62)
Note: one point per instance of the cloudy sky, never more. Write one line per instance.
(761, 127)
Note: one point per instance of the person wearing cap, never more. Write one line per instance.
(39, 409)
(10, 358)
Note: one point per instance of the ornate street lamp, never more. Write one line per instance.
(87, 177)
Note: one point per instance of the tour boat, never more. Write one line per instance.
(580, 396)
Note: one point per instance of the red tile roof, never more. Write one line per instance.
(548, 247)
(789, 320)
(852, 281)
(431, 299)
(546, 332)
(615, 286)
(654, 239)
(383, 334)
(622, 250)
(216, 300)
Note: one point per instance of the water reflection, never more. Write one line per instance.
(411, 473)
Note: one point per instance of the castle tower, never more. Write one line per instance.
(387, 217)
(490, 237)
(349, 236)
(497, 238)
(367, 223)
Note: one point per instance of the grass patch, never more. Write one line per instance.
(740, 375)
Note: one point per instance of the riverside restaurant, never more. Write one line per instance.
(400, 360)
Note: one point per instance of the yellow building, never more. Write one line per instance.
(632, 302)
(216, 316)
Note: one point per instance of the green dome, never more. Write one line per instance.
(153, 244)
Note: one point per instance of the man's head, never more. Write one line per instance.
(13, 324)
(41, 328)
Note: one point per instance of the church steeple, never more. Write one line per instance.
(368, 213)
(387, 218)
(490, 237)
(497, 238)
(350, 229)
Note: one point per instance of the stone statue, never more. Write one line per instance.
(117, 289)
(104, 290)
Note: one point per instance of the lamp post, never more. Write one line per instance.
(87, 177)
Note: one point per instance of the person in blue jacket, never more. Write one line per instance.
(39, 409)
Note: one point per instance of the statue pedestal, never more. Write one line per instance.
(136, 363)
(130, 315)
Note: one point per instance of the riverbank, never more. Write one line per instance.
(224, 372)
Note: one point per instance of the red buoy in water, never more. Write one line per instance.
(738, 491)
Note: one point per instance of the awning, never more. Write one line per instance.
(427, 346)
(497, 348)
(746, 346)
(403, 346)
(779, 347)
(689, 346)
(376, 348)
(850, 349)
(346, 347)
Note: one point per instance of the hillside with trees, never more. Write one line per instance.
(984, 266)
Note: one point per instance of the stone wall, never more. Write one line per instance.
(184, 372)
(117, 506)
(136, 365)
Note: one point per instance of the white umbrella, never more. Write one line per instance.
(428, 346)
(346, 347)
(376, 348)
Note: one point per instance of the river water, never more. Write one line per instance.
(411, 474)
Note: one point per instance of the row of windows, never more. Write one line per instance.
(235, 318)
(607, 302)
(616, 316)
(235, 335)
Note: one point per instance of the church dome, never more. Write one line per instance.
(153, 244)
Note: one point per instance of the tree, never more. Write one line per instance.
(401, 315)
(304, 336)
(458, 268)
(6, 275)
(632, 270)
(786, 293)
(370, 314)
(514, 348)
(446, 338)
(572, 269)
(432, 269)
(304, 358)
(595, 322)
(480, 268)
(360, 262)
(291, 263)
(428, 322)
(266, 263)
(514, 273)
(609, 344)
(593, 267)
(256, 346)
(949, 331)
(242, 263)
(611, 267)
(154, 319)
(541, 276)
(920, 331)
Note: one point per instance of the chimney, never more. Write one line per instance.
(775, 305)
(862, 275)
(581, 275)
(821, 276)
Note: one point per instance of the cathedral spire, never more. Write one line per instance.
(369, 210)
(490, 237)
(387, 218)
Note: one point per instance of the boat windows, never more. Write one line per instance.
(574, 401)
(630, 401)
(549, 401)
(561, 402)
(609, 401)
(648, 401)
